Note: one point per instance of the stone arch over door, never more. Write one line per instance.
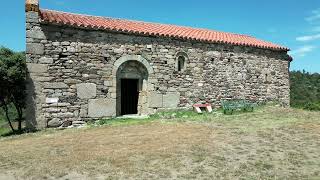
(132, 67)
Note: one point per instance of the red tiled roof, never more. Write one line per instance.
(154, 29)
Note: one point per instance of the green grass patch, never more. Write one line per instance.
(173, 116)
(4, 131)
(263, 117)
(121, 121)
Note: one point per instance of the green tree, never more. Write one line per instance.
(305, 90)
(13, 73)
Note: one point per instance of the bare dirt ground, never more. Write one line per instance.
(270, 143)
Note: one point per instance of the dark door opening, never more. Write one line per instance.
(129, 96)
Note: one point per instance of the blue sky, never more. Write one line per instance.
(292, 23)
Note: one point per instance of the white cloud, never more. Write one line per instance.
(314, 17)
(314, 20)
(302, 51)
(316, 29)
(308, 38)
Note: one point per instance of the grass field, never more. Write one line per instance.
(270, 143)
(4, 127)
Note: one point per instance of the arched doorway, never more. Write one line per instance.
(131, 78)
(135, 72)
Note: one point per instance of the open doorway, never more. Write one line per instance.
(129, 96)
(131, 76)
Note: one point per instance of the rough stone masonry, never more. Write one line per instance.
(79, 71)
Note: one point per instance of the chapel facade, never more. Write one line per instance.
(85, 67)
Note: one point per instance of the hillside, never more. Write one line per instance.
(270, 143)
(305, 89)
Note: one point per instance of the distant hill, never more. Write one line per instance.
(305, 90)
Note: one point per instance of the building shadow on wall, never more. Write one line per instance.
(31, 123)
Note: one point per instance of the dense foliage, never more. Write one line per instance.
(305, 90)
(13, 73)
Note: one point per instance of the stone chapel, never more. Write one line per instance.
(84, 67)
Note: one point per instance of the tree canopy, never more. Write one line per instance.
(305, 90)
(13, 72)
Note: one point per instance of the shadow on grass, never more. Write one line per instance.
(6, 132)
(164, 116)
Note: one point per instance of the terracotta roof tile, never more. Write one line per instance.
(154, 29)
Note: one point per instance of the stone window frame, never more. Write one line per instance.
(186, 60)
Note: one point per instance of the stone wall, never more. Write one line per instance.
(73, 73)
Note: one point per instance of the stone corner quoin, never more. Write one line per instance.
(78, 74)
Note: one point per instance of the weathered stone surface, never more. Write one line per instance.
(65, 115)
(155, 100)
(101, 108)
(171, 100)
(37, 68)
(86, 90)
(84, 111)
(55, 122)
(36, 34)
(42, 78)
(78, 122)
(69, 56)
(55, 85)
(66, 123)
(213, 53)
(37, 49)
(45, 60)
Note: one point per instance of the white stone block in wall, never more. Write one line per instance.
(37, 68)
(171, 100)
(86, 90)
(52, 100)
(155, 100)
(45, 60)
(213, 53)
(36, 34)
(35, 49)
(107, 83)
(99, 108)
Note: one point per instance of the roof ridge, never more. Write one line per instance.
(146, 22)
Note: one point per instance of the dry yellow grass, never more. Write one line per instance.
(271, 143)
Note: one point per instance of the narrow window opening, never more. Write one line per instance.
(266, 78)
(181, 61)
